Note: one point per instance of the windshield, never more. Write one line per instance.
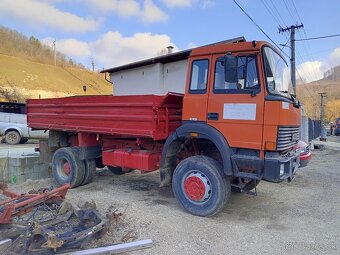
(277, 73)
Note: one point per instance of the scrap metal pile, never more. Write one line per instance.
(42, 222)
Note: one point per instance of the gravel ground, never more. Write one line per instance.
(302, 217)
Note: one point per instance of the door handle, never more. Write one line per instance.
(212, 116)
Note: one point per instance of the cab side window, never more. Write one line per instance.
(199, 76)
(247, 76)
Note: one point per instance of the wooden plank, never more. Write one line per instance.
(115, 249)
(4, 244)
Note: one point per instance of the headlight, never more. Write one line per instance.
(282, 169)
(301, 150)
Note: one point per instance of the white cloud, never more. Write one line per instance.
(310, 71)
(177, 3)
(124, 8)
(192, 45)
(314, 70)
(113, 49)
(152, 13)
(70, 47)
(44, 14)
(334, 57)
(149, 12)
(208, 3)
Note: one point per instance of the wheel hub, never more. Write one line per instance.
(67, 168)
(12, 137)
(197, 187)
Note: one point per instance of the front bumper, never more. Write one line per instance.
(278, 167)
(304, 159)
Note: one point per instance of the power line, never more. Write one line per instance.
(287, 6)
(304, 83)
(292, 51)
(278, 12)
(292, 1)
(259, 27)
(87, 84)
(316, 38)
(307, 47)
(266, 5)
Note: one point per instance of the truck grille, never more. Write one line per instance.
(287, 137)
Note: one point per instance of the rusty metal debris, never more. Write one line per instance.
(41, 221)
(68, 230)
(19, 204)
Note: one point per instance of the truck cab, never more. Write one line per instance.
(240, 109)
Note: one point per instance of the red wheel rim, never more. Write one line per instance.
(67, 168)
(194, 188)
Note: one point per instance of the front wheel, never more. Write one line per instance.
(200, 186)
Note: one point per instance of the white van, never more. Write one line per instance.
(13, 124)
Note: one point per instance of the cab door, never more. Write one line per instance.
(236, 109)
(195, 102)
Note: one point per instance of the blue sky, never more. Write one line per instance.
(114, 32)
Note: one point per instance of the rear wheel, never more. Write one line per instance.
(200, 187)
(67, 168)
(90, 170)
(12, 137)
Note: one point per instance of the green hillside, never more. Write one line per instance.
(31, 79)
(27, 71)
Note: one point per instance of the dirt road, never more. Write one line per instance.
(302, 217)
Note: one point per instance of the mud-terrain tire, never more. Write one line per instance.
(67, 168)
(200, 186)
(12, 137)
(90, 171)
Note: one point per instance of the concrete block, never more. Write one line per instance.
(21, 168)
(15, 162)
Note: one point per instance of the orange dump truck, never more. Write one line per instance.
(236, 124)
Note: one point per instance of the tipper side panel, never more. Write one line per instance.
(132, 116)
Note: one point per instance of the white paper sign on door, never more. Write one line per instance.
(239, 111)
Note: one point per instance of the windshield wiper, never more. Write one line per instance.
(284, 91)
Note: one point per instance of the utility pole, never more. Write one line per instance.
(55, 52)
(322, 116)
(292, 51)
(92, 63)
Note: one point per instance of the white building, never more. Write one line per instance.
(157, 76)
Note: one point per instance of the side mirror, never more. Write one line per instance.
(230, 68)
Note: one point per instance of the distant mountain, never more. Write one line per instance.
(308, 93)
(27, 71)
(332, 74)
